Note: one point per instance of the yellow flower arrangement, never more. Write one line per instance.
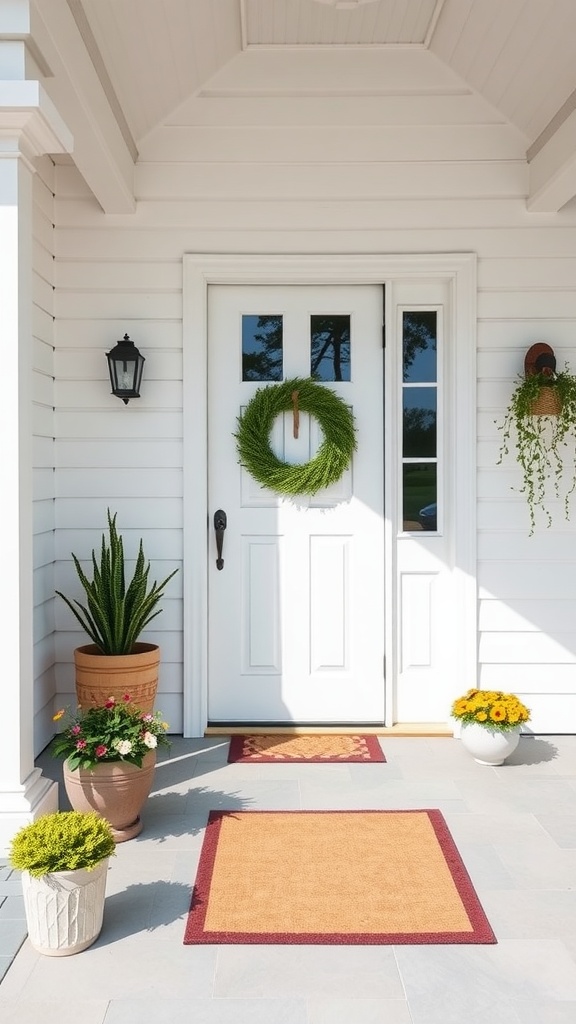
(490, 708)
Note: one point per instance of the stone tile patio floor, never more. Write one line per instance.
(515, 827)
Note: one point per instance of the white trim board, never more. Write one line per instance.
(202, 270)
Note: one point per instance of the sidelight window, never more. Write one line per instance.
(420, 510)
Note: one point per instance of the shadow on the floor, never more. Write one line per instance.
(144, 907)
(167, 815)
(177, 805)
(532, 750)
(175, 768)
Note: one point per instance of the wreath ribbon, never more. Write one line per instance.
(300, 394)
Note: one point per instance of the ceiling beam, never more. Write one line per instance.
(100, 151)
(553, 170)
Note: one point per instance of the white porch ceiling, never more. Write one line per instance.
(153, 56)
(337, 22)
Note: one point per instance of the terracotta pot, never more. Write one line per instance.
(99, 676)
(115, 789)
(65, 909)
(487, 745)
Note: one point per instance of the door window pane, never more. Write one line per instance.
(330, 347)
(419, 496)
(261, 347)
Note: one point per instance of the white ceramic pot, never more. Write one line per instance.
(487, 745)
(64, 910)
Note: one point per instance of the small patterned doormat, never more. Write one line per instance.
(311, 747)
(341, 877)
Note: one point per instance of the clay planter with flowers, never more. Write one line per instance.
(110, 757)
(114, 616)
(491, 722)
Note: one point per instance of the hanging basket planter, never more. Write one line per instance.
(540, 363)
(548, 403)
(540, 424)
(296, 395)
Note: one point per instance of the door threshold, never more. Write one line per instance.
(400, 729)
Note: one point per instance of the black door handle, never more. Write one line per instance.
(220, 523)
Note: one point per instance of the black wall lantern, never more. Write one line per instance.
(125, 365)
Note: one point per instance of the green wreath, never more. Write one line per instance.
(333, 455)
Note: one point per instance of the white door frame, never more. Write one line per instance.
(202, 270)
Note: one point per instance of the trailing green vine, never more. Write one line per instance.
(333, 456)
(545, 445)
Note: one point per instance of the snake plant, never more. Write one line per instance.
(115, 614)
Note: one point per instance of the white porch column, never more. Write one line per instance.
(29, 126)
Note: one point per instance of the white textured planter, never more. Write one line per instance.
(64, 910)
(489, 746)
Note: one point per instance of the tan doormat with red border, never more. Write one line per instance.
(325, 877)
(321, 748)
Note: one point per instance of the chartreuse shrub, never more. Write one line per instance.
(62, 841)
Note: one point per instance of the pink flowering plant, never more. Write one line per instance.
(114, 731)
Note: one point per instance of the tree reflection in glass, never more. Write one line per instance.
(419, 425)
(261, 347)
(419, 332)
(330, 347)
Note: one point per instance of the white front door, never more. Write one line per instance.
(296, 614)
